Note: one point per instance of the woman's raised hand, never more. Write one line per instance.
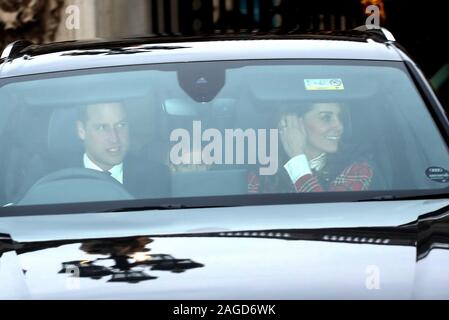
(292, 134)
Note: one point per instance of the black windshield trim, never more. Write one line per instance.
(221, 201)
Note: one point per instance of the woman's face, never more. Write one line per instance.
(323, 128)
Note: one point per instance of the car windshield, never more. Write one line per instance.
(221, 128)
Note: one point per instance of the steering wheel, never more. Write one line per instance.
(75, 185)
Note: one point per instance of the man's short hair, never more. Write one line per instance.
(82, 109)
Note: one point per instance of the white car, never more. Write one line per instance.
(237, 167)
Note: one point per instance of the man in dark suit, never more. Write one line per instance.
(104, 130)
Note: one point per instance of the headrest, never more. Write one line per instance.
(62, 136)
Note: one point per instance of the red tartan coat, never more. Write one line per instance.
(355, 177)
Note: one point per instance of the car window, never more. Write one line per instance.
(216, 129)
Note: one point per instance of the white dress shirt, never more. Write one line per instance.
(116, 171)
(299, 166)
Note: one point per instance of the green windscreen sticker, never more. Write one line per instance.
(324, 84)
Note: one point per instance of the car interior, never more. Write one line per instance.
(38, 136)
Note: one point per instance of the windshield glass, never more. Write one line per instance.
(216, 128)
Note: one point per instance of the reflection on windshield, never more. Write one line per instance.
(258, 127)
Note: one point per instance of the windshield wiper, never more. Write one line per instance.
(402, 196)
(170, 206)
(7, 244)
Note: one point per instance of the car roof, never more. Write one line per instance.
(77, 55)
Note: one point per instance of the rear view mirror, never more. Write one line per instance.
(185, 107)
(180, 107)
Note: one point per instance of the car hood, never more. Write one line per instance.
(371, 250)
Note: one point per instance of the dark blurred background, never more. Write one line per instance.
(419, 26)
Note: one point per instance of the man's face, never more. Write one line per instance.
(105, 134)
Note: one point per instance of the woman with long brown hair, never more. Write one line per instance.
(311, 158)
